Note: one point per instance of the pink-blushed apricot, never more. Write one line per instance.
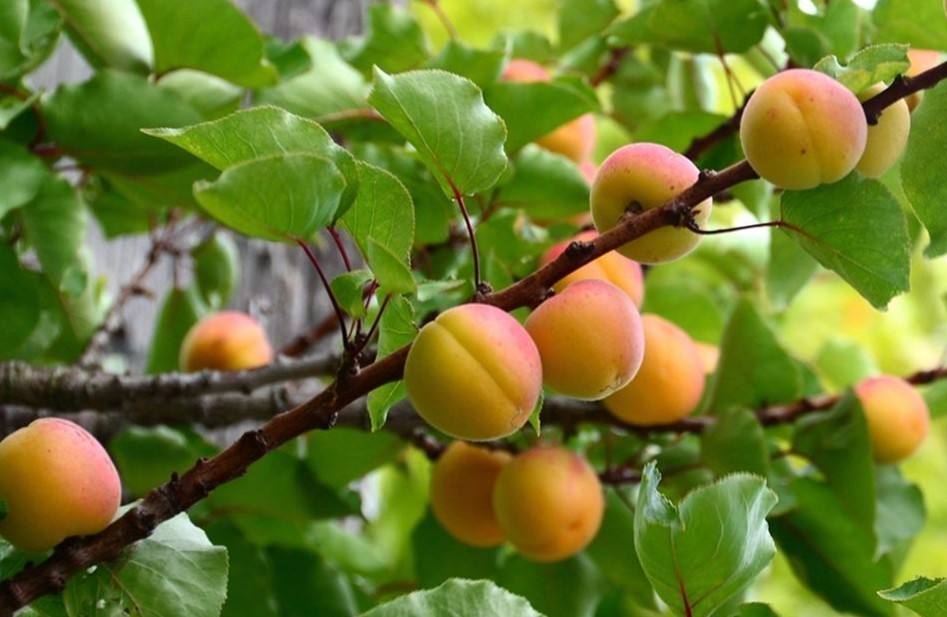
(639, 177)
(549, 503)
(575, 139)
(462, 493)
(590, 339)
(612, 267)
(709, 356)
(57, 482)
(670, 382)
(801, 128)
(887, 139)
(921, 60)
(225, 341)
(474, 373)
(898, 417)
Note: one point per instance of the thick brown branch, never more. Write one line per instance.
(322, 411)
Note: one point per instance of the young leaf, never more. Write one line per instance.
(457, 597)
(871, 65)
(211, 36)
(857, 229)
(925, 596)
(348, 288)
(444, 117)
(924, 166)
(393, 274)
(216, 269)
(396, 329)
(108, 32)
(279, 197)
(708, 549)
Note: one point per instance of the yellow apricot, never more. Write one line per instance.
(589, 338)
(639, 177)
(921, 60)
(887, 139)
(670, 382)
(549, 503)
(575, 139)
(898, 418)
(474, 373)
(57, 482)
(225, 341)
(801, 128)
(611, 267)
(462, 493)
(709, 356)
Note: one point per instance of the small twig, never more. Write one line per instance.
(472, 236)
(325, 282)
(350, 114)
(615, 57)
(442, 17)
(337, 239)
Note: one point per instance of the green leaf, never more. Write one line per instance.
(900, 511)
(439, 556)
(545, 185)
(216, 269)
(108, 32)
(348, 289)
(735, 442)
(21, 176)
(580, 19)
(677, 129)
(789, 269)
(688, 302)
(279, 197)
(393, 274)
(918, 23)
(925, 596)
(755, 609)
(382, 213)
(481, 66)
(457, 598)
(835, 28)
(393, 41)
(249, 580)
(444, 117)
(935, 395)
(55, 224)
(708, 549)
(708, 26)
(98, 122)
(754, 369)
(174, 571)
(343, 455)
(147, 456)
(19, 304)
(830, 552)
(330, 85)
(570, 588)
(259, 132)
(871, 65)
(12, 106)
(181, 309)
(210, 95)
(29, 32)
(305, 586)
(612, 550)
(211, 36)
(838, 443)
(532, 110)
(924, 163)
(395, 330)
(830, 223)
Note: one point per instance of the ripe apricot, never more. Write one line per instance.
(898, 417)
(225, 341)
(612, 267)
(639, 177)
(474, 373)
(57, 482)
(887, 139)
(462, 493)
(670, 382)
(801, 128)
(549, 503)
(921, 60)
(709, 356)
(590, 339)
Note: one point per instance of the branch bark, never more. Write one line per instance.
(322, 411)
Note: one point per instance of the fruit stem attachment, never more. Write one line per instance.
(475, 253)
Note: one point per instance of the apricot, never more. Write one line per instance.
(640, 177)
(549, 503)
(225, 341)
(611, 267)
(670, 382)
(462, 493)
(590, 339)
(709, 356)
(898, 417)
(575, 139)
(57, 482)
(474, 373)
(921, 60)
(801, 128)
(887, 139)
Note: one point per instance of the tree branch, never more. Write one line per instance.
(321, 412)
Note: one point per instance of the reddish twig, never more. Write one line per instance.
(340, 316)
